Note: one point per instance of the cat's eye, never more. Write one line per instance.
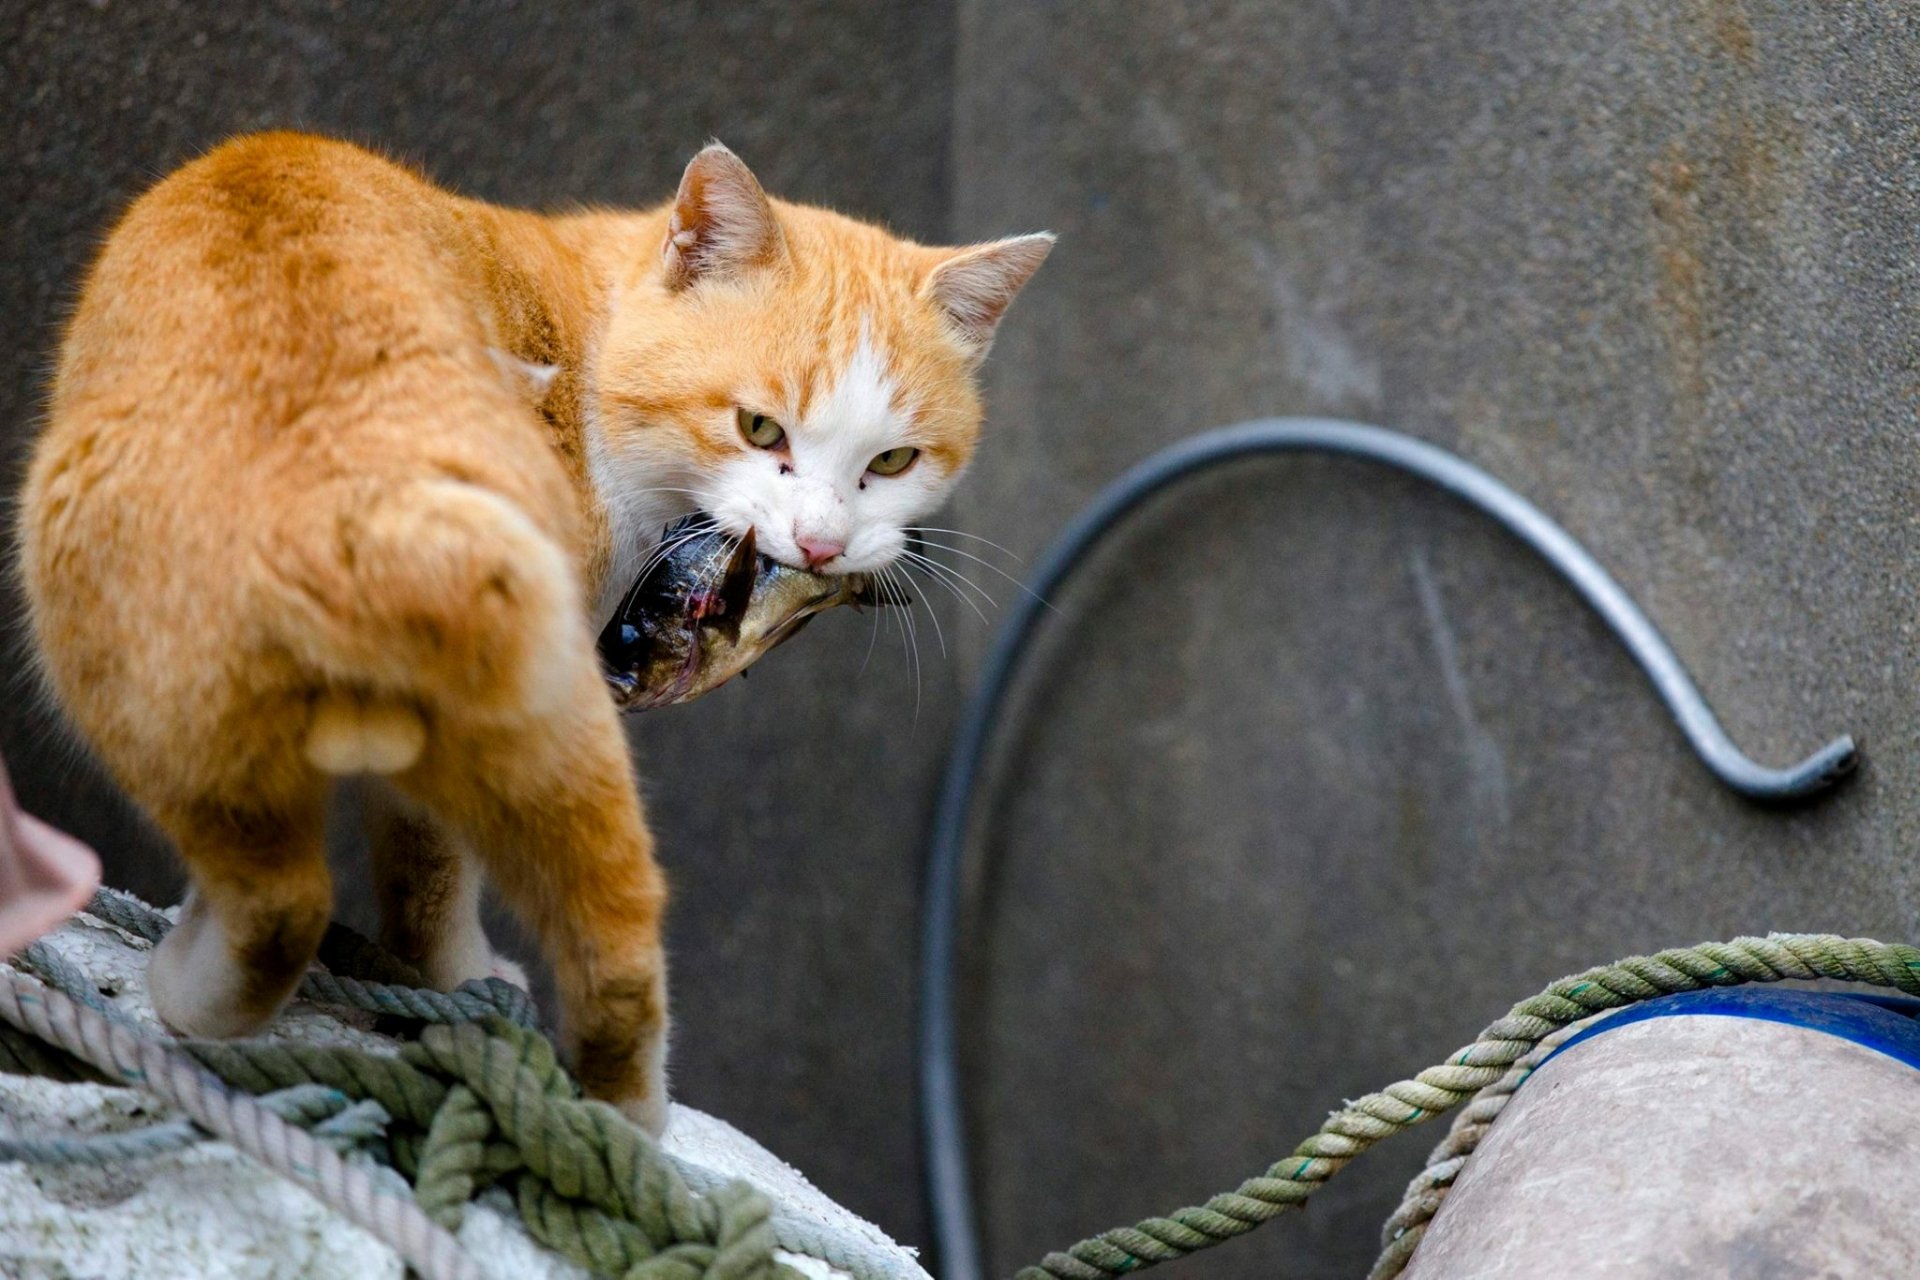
(761, 431)
(893, 461)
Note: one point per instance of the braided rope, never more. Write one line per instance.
(99, 1148)
(24, 1054)
(494, 1102)
(469, 1002)
(480, 1099)
(1365, 1121)
(164, 1071)
(127, 912)
(1429, 1188)
(328, 1114)
(839, 1248)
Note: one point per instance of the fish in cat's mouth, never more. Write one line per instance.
(709, 608)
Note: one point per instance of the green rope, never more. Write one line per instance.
(481, 998)
(331, 1116)
(1365, 1121)
(490, 1103)
(1431, 1186)
(480, 1100)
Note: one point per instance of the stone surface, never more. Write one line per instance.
(1696, 1146)
(1318, 773)
(210, 1212)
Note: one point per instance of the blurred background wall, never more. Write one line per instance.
(1315, 773)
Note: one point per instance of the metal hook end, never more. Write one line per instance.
(1820, 771)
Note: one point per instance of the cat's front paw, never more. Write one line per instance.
(650, 1112)
(201, 985)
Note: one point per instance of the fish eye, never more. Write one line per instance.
(893, 461)
(759, 430)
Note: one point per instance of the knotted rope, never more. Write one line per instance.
(1486, 1062)
(1429, 1188)
(480, 1099)
(333, 1117)
(126, 1056)
(475, 1104)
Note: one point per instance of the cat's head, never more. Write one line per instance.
(797, 372)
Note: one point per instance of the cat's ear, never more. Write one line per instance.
(976, 285)
(722, 222)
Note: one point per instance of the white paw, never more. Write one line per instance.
(508, 971)
(197, 987)
(650, 1113)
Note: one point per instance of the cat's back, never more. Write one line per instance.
(279, 331)
(275, 259)
(282, 303)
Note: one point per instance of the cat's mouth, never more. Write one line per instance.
(709, 608)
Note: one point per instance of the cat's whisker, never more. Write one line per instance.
(917, 663)
(668, 547)
(872, 636)
(950, 589)
(948, 572)
(913, 638)
(910, 643)
(692, 531)
(927, 528)
(938, 633)
(658, 557)
(1046, 603)
(900, 628)
(633, 589)
(935, 572)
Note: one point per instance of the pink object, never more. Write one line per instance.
(45, 874)
(818, 550)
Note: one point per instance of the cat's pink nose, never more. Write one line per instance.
(818, 550)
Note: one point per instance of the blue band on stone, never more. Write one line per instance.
(1886, 1024)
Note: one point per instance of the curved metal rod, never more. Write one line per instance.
(942, 1127)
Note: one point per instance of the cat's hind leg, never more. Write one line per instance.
(548, 804)
(428, 884)
(261, 899)
(444, 629)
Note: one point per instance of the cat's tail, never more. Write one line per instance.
(418, 604)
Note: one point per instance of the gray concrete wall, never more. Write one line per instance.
(1317, 773)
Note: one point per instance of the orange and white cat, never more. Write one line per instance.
(344, 472)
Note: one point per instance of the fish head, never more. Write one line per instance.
(711, 609)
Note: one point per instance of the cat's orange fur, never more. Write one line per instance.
(336, 480)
